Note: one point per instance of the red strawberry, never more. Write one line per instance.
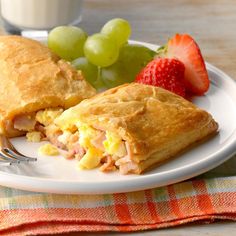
(165, 73)
(184, 48)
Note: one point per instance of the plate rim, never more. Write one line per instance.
(142, 182)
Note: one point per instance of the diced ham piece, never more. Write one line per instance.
(40, 128)
(24, 122)
(127, 167)
(76, 152)
(98, 141)
(126, 164)
(53, 138)
(108, 165)
(128, 149)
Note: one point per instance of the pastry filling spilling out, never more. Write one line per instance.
(90, 146)
(35, 124)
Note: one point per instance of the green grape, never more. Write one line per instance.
(114, 75)
(99, 85)
(101, 50)
(131, 60)
(67, 42)
(89, 71)
(118, 29)
(135, 57)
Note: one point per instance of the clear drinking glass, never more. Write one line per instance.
(34, 18)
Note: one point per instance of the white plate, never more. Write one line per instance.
(58, 175)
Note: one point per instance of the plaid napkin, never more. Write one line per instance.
(26, 213)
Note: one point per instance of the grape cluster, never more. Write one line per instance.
(106, 59)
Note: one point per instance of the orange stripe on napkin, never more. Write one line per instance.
(122, 212)
(203, 198)
(152, 206)
(174, 203)
(24, 213)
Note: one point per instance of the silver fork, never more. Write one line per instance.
(9, 155)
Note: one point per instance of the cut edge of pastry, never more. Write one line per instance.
(35, 79)
(110, 147)
(19, 122)
(172, 149)
(94, 147)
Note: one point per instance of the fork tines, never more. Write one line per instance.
(9, 155)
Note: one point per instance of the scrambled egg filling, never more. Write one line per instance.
(67, 120)
(85, 134)
(91, 159)
(48, 149)
(33, 136)
(113, 145)
(93, 155)
(47, 116)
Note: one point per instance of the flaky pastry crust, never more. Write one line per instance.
(34, 78)
(156, 123)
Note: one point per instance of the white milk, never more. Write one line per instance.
(41, 14)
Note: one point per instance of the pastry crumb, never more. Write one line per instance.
(48, 150)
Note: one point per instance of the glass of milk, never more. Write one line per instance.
(34, 18)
